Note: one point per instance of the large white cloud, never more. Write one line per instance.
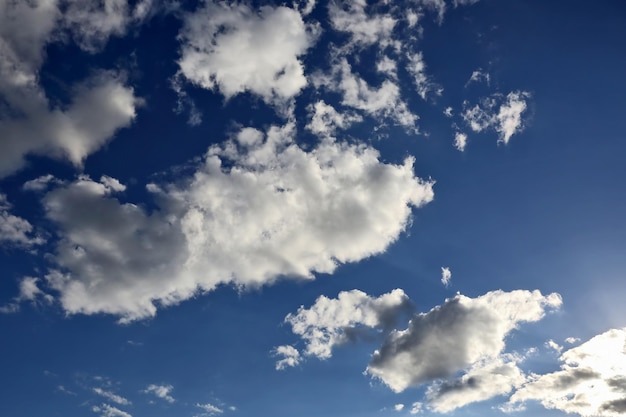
(234, 49)
(257, 208)
(591, 381)
(28, 123)
(455, 335)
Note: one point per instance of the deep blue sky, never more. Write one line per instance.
(544, 211)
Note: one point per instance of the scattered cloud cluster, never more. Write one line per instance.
(591, 381)
(500, 113)
(259, 207)
(456, 348)
(29, 124)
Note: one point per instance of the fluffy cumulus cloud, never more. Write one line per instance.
(500, 113)
(29, 124)
(15, 230)
(233, 48)
(591, 381)
(460, 141)
(290, 356)
(161, 391)
(257, 208)
(455, 335)
(351, 17)
(330, 322)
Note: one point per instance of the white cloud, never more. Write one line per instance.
(460, 141)
(111, 396)
(384, 101)
(503, 114)
(160, 391)
(330, 322)
(398, 407)
(351, 17)
(509, 118)
(325, 120)
(571, 340)
(551, 344)
(416, 408)
(106, 410)
(306, 6)
(456, 348)
(40, 183)
(464, 2)
(290, 357)
(446, 276)
(448, 112)
(438, 6)
(235, 49)
(29, 124)
(210, 409)
(478, 76)
(387, 66)
(417, 68)
(460, 333)
(257, 208)
(92, 22)
(28, 291)
(482, 381)
(591, 381)
(15, 230)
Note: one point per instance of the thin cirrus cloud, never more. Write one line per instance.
(297, 213)
(107, 410)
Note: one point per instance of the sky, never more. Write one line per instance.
(310, 208)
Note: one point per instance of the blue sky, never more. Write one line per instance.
(312, 208)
